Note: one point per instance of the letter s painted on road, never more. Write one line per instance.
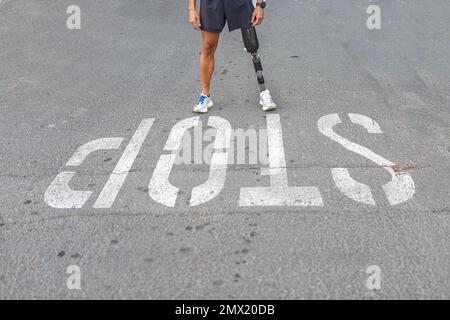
(401, 187)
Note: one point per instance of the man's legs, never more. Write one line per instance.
(210, 40)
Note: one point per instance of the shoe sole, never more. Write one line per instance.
(208, 106)
(270, 108)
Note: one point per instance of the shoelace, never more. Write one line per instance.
(267, 98)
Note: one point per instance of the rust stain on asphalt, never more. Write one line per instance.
(409, 167)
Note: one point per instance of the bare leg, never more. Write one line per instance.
(210, 41)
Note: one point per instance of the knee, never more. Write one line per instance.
(208, 48)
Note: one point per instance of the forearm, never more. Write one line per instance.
(192, 4)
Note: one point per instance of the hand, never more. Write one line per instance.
(194, 19)
(258, 16)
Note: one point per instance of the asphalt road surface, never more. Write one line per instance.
(365, 146)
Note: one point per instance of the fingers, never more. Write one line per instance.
(257, 22)
(195, 25)
(199, 24)
(257, 18)
(254, 19)
(194, 20)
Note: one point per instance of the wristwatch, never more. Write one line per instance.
(261, 4)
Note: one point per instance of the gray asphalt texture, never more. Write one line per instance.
(138, 59)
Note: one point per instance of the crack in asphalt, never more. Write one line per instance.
(396, 167)
(180, 214)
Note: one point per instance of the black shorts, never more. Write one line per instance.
(236, 13)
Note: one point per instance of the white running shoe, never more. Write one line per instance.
(266, 101)
(204, 103)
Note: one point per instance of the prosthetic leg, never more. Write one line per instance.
(251, 44)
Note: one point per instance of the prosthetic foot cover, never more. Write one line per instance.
(251, 44)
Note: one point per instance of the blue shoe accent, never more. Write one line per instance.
(203, 104)
(202, 99)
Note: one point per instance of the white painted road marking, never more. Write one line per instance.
(59, 195)
(176, 134)
(401, 187)
(165, 193)
(279, 193)
(123, 167)
(218, 169)
(86, 149)
(353, 189)
(159, 188)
